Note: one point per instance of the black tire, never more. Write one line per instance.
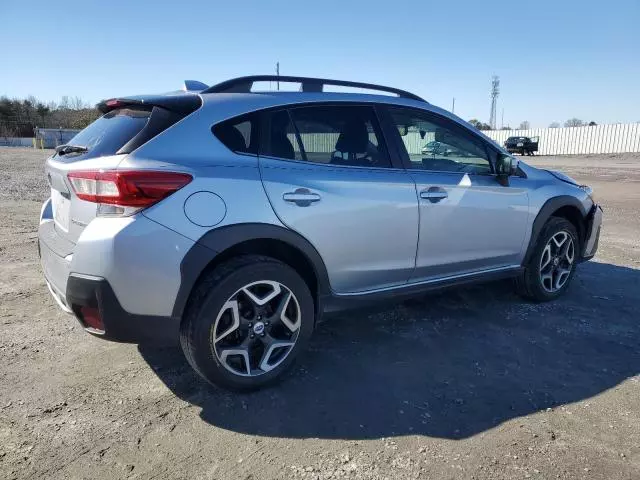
(529, 283)
(209, 297)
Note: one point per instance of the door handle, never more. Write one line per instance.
(434, 194)
(302, 197)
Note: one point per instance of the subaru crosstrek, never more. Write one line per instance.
(232, 219)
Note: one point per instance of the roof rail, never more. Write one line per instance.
(309, 84)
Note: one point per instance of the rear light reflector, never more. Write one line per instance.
(131, 188)
(91, 318)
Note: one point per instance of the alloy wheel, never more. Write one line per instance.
(256, 328)
(556, 261)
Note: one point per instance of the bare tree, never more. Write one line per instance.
(524, 125)
(77, 103)
(574, 122)
(479, 125)
(554, 125)
(65, 103)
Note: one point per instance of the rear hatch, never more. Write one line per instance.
(126, 125)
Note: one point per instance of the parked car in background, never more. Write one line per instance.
(438, 148)
(522, 145)
(232, 219)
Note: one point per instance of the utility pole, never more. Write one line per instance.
(453, 105)
(495, 91)
(502, 121)
(278, 74)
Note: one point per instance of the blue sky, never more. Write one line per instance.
(556, 59)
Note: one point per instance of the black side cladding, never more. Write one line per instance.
(552, 205)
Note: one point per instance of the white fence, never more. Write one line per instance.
(617, 138)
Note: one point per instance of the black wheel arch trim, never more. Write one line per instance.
(218, 240)
(550, 206)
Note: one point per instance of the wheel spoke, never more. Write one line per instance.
(243, 352)
(275, 291)
(546, 257)
(230, 306)
(569, 252)
(561, 277)
(547, 277)
(281, 312)
(559, 243)
(271, 345)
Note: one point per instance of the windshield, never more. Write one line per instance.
(110, 132)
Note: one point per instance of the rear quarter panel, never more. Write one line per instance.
(190, 146)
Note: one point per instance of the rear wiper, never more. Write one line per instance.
(64, 149)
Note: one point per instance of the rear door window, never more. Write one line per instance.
(346, 135)
(109, 133)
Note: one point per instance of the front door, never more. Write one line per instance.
(329, 177)
(469, 223)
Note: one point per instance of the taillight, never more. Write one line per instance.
(137, 188)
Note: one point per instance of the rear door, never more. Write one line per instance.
(328, 175)
(468, 221)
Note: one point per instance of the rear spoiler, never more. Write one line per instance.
(183, 104)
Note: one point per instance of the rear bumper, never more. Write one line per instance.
(74, 291)
(127, 270)
(119, 325)
(594, 225)
(55, 267)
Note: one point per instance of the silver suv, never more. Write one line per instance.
(233, 219)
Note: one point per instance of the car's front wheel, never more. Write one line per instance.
(246, 322)
(551, 267)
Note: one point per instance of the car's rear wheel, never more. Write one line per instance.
(552, 265)
(246, 322)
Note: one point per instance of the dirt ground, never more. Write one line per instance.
(472, 383)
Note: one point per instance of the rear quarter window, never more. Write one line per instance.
(240, 135)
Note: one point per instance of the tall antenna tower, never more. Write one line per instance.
(495, 91)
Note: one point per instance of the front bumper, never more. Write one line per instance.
(594, 225)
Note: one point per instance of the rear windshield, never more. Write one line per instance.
(110, 132)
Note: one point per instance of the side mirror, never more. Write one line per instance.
(506, 166)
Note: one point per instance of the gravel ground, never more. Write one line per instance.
(471, 383)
